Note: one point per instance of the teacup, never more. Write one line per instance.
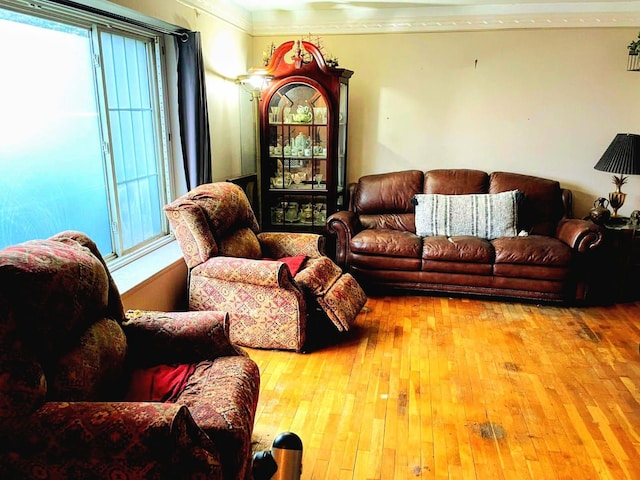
(280, 182)
(298, 177)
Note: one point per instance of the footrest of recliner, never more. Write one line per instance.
(343, 301)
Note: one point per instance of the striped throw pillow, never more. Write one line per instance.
(489, 216)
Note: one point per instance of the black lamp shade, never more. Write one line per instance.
(622, 156)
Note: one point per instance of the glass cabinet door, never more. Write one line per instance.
(297, 159)
(343, 117)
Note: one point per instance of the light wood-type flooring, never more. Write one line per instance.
(434, 388)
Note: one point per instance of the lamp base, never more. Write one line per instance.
(616, 200)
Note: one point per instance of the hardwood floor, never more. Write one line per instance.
(437, 388)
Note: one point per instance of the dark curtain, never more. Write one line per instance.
(192, 110)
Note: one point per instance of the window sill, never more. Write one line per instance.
(136, 273)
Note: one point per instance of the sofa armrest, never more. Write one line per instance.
(344, 225)
(281, 244)
(580, 235)
(177, 337)
(143, 440)
(265, 273)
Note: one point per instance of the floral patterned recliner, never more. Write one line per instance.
(68, 354)
(235, 268)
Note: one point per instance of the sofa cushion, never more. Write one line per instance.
(394, 221)
(240, 243)
(23, 386)
(93, 369)
(532, 250)
(387, 192)
(480, 215)
(465, 248)
(456, 181)
(393, 243)
(541, 207)
(540, 272)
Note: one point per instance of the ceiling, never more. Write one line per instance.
(285, 17)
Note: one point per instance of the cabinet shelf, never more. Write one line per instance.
(294, 124)
(304, 189)
(289, 157)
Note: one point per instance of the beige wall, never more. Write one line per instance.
(541, 102)
(165, 291)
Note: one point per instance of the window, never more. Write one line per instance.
(83, 136)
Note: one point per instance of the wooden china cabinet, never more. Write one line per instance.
(303, 139)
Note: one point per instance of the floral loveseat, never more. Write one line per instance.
(79, 381)
(466, 231)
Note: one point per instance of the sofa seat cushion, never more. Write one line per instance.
(461, 254)
(462, 248)
(388, 242)
(532, 250)
(384, 262)
(532, 272)
(457, 267)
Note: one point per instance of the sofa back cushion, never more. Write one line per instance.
(206, 215)
(541, 207)
(240, 243)
(92, 369)
(384, 200)
(52, 292)
(452, 181)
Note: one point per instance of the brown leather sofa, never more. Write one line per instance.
(548, 260)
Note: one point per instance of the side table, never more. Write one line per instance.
(622, 244)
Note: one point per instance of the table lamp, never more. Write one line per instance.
(623, 158)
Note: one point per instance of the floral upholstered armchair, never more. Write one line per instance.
(268, 281)
(87, 391)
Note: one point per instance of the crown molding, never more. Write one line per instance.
(225, 10)
(359, 18)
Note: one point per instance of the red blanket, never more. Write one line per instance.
(294, 263)
(162, 383)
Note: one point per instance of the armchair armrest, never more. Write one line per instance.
(344, 225)
(265, 273)
(281, 244)
(580, 235)
(177, 337)
(145, 440)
